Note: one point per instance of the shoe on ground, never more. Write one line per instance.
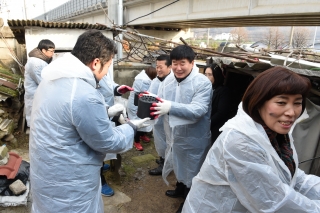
(138, 146)
(160, 160)
(180, 208)
(156, 171)
(105, 167)
(174, 193)
(106, 190)
(145, 139)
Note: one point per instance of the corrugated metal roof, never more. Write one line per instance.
(18, 26)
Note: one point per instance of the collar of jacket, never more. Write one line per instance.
(181, 79)
(39, 54)
(161, 79)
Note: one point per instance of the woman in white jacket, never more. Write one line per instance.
(253, 165)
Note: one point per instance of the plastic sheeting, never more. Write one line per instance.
(187, 126)
(107, 86)
(306, 136)
(158, 130)
(32, 78)
(243, 173)
(69, 136)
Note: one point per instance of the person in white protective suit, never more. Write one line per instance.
(185, 107)
(253, 164)
(163, 67)
(141, 84)
(70, 130)
(39, 58)
(108, 88)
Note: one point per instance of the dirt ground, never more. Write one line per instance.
(147, 192)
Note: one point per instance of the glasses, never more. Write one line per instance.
(51, 51)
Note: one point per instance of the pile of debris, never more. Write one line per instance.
(11, 104)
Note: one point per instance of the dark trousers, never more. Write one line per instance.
(137, 136)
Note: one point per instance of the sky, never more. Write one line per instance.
(27, 9)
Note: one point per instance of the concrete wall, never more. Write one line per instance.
(125, 74)
(188, 10)
(63, 38)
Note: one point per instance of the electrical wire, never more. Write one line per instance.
(309, 160)
(152, 12)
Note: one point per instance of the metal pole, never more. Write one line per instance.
(314, 38)
(120, 23)
(208, 38)
(291, 36)
(25, 9)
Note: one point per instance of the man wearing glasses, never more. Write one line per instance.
(39, 58)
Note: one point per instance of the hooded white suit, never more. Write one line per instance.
(243, 173)
(69, 136)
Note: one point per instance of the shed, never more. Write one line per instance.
(307, 132)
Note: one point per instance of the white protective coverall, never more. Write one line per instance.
(243, 173)
(69, 137)
(107, 86)
(187, 125)
(141, 83)
(32, 78)
(158, 130)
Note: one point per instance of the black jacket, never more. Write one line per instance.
(220, 110)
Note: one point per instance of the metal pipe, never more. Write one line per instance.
(120, 23)
(291, 37)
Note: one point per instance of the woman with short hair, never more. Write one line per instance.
(253, 165)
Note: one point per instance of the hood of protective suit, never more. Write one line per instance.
(243, 123)
(68, 66)
(143, 76)
(250, 128)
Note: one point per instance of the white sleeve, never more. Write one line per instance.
(258, 185)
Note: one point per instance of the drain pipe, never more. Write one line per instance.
(120, 23)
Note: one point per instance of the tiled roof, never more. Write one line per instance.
(18, 27)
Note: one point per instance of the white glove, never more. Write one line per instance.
(116, 109)
(122, 120)
(161, 108)
(140, 123)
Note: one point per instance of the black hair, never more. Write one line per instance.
(93, 44)
(166, 58)
(182, 52)
(46, 44)
(217, 75)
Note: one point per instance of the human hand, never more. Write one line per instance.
(116, 109)
(161, 108)
(148, 94)
(124, 88)
(140, 123)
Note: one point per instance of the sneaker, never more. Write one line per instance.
(105, 167)
(138, 146)
(145, 139)
(106, 190)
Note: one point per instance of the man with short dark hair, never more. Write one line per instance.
(163, 66)
(70, 130)
(39, 58)
(185, 105)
